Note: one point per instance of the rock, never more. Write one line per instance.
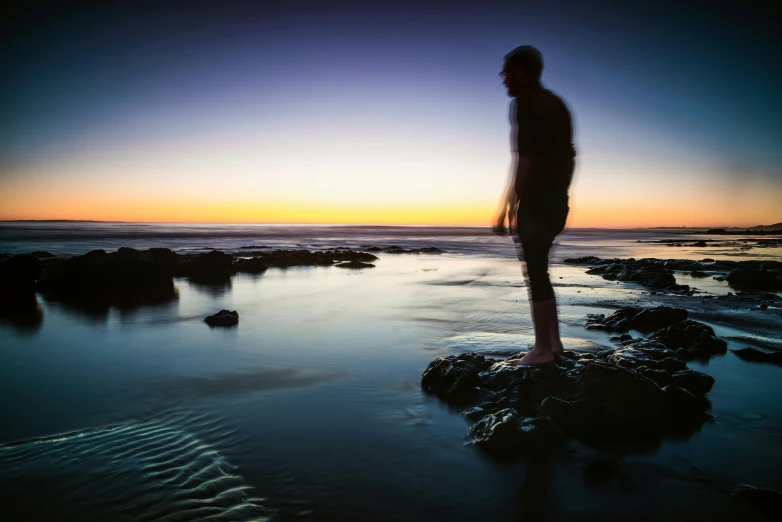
(355, 264)
(20, 271)
(765, 501)
(682, 405)
(719, 231)
(707, 260)
(223, 318)
(754, 355)
(253, 265)
(691, 339)
(651, 319)
(699, 244)
(755, 279)
(619, 321)
(214, 267)
(96, 280)
(506, 434)
(698, 273)
(455, 378)
(600, 469)
(644, 352)
(39, 254)
(621, 338)
(695, 382)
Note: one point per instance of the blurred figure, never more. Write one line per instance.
(536, 198)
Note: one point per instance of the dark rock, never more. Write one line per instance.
(651, 319)
(696, 383)
(223, 318)
(699, 244)
(41, 254)
(355, 264)
(644, 352)
(124, 278)
(765, 501)
(621, 338)
(214, 267)
(754, 355)
(691, 339)
(680, 405)
(600, 469)
(719, 231)
(619, 321)
(755, 279)
(707, 260)
(506, 434)
(698, 273)
(20, 271)
(455, 378)
(253, 265)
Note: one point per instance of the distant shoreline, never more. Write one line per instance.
(758, 229)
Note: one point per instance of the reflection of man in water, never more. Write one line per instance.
(536, 199)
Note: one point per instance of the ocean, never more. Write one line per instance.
(311, 408)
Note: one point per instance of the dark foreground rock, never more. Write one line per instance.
(507, 434)
(765, 501)
(638, 393)
(223, 318)
(755, 279)
(754, 355)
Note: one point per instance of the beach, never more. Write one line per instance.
(311, 407)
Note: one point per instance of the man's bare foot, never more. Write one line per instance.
(534, 357)
(556, 349)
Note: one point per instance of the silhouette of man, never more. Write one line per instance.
(536, 198)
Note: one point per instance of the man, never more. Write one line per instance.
(536, 198)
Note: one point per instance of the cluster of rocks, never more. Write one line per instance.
(639, 393)
(223, 318)
(659, 274)
(672, 331)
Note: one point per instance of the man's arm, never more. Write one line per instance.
(517, 177)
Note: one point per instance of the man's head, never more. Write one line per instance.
(522, 69)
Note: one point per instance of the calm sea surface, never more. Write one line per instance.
(310, 409)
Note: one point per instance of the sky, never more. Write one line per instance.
(384, 112)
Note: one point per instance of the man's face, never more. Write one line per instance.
(514, 78)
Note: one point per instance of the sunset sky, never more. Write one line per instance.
(384, 112)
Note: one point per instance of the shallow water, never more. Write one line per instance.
(311, 408)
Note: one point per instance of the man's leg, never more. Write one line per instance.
(542, 304)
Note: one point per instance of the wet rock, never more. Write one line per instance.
(124, 278)
(19, 271)
(644, 352)
(681, 405)
(619, 321)
(600, 469)
(698, 273)
(651, 319)
(691, 340)
(506, 434)
(693, 381)
(641, 319)
(253, 265)
(765, 501)
(214, 267)
(754, 355)
(699, 244)
(755, 279)
(223, 318)
(455, 378)
(355, 264)
(621, 338)
(424, 250)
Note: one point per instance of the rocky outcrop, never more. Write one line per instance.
(754, 355)
(641, 319)
(767, 502)
(659, 274)
(223, 318)
(755, 280)
(638, 393)
(124, 278)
